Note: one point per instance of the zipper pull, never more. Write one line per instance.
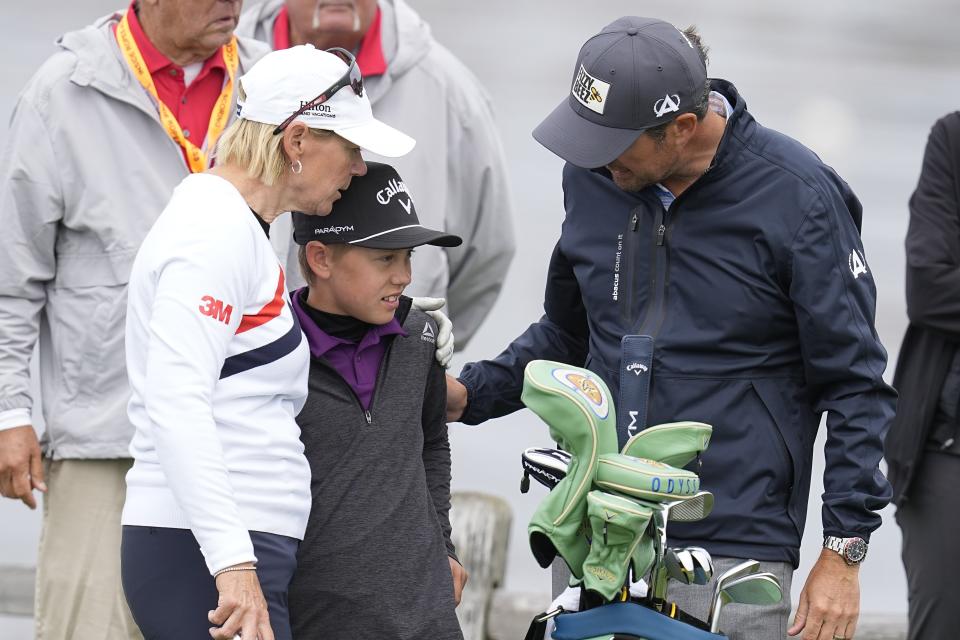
(369, 417)
(662, 229)
(634, 221)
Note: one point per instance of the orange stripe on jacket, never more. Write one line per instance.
(270, 311)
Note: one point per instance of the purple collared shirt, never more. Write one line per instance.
(358, 363)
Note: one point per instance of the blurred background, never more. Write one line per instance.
(859, 81)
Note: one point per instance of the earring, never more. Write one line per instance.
(297, 167)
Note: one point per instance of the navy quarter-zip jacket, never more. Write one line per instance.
(755, 287)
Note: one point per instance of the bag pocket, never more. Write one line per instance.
(86, 309)
(794, 440)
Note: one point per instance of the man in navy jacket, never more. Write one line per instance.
(737, 253)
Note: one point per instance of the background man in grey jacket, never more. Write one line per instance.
(456, 173)
(86, 169)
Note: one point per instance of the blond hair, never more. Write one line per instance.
(254, 147)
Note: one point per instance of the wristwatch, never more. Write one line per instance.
(852, 550)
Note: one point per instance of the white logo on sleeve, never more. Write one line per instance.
(858, 265)
(667, 104)
(427, 335)
(589, 91)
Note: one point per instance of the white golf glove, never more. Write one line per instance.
(445, 342)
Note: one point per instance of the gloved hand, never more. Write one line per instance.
(445, 342)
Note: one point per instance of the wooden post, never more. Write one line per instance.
(481, 532)
(16, 591)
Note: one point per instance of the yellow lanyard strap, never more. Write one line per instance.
(196, 158)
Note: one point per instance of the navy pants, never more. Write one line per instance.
(170, 591)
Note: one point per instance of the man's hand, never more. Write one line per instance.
(21, 465)
(241, 608)
(459, 579)
(445, 341)
(830, 601)
(456, 399)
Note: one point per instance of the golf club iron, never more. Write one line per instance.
(690, 565)
(691, 509)
(745, 568)
(757, 589)
(702, 565)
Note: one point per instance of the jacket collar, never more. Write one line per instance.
(370, 57)
(100, 65)
(321, 342)
(404, 39)
(739, 129)
(740, 125)
(153, 57)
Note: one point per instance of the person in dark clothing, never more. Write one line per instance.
(923, 445)
(377, 560)
(711, 269)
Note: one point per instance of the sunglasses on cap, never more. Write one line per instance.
(351, 78)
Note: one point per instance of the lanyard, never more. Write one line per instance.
(196, 158)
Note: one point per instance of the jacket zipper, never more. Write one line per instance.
(367, 413)
(660, 284)
(629, 267)
(657, 280)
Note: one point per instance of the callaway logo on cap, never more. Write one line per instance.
(635, 74)
(376, 212)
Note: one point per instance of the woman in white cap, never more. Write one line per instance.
(218, 496)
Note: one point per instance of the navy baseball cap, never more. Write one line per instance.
(375, 211)
(637, 73)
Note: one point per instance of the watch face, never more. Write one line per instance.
(855, 550)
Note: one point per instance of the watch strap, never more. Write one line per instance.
(833, 543)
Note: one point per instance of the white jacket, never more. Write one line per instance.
(85, 170)
(218, 371)
(456, 174)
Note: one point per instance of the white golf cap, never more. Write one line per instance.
(282, 81)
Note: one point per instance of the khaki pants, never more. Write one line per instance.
(79, 596)
(739, 621)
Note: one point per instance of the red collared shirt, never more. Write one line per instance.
(369, 56)
(190, 105)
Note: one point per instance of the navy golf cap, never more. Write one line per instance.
(376, 211)
(635, 74)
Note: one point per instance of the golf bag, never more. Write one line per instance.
(606, 514)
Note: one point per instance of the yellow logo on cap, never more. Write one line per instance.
(590, 91)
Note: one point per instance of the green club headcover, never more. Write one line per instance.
(644, 556)
(617, 525)
(577, 406)
(673, 443)
(644, 479)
